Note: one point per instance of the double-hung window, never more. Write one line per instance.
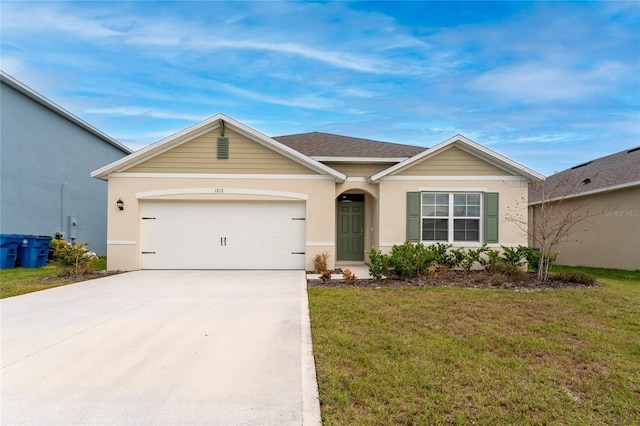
(450, 217)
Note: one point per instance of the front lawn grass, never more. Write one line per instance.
(16, 281)
(466, 356)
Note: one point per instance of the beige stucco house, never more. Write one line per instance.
(602, 197)
(221, 195)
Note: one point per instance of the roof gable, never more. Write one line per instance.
(498, 161)
(200, 155)
(453, 161)
(213, 123)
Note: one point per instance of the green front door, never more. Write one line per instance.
(351, 230)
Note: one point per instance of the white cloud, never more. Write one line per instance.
(347, 60)
(50, 17)
(144, 112)
(336, 58)
(544, 82)
(291, 100)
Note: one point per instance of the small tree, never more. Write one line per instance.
(556, 211)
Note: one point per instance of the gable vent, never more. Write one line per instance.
(223, 148)
(581, 165)
(633, 150)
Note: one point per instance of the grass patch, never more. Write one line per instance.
(16, 281)
(464, 356)
(612, 274)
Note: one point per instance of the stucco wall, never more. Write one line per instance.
(40, 151)
(609, 236)
(512, 201)
(124, 226)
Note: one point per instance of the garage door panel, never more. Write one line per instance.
(222, 235)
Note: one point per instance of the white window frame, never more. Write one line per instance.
(451, 218)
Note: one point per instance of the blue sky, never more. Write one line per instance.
(548, 84)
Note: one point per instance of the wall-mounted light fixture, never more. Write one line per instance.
(120, 204)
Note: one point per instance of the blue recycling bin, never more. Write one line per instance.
(9, 249)
(33, 251)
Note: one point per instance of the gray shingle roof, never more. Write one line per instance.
(317, 144)
(619, 169)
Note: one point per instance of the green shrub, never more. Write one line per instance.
(533, 257)
(410, 260)
(378, 264)
(57, 245)
(515, 255)
(577, 277)
(442, 257)
(456, 257)
(74, 259)
(471, 257)
(493, 256)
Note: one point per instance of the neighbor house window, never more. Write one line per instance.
(450, 217)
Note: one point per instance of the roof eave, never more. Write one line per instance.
(329, 159)
(287, 151)
(149, 151)
(625, 185)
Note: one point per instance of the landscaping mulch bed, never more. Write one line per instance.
(460, 279)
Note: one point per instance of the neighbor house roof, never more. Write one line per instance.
(470, 147)
(330, 147)
(35, 96)
(615, 171)
(205, 126)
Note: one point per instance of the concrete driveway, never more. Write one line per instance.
(161, 348)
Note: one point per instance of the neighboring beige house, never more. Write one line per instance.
(605, 192)
(221, 195)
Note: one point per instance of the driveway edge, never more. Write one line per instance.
(310, 396)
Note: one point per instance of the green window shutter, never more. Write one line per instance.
(491, 217)
(223, 148)
(413, 216)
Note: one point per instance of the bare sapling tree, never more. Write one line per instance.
(555, 211)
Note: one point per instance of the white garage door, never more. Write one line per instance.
(222, 235)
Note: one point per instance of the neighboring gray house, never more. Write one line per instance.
(46, 157)
(604, 194)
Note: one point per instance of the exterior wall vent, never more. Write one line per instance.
(223, 148)
(581, 165)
